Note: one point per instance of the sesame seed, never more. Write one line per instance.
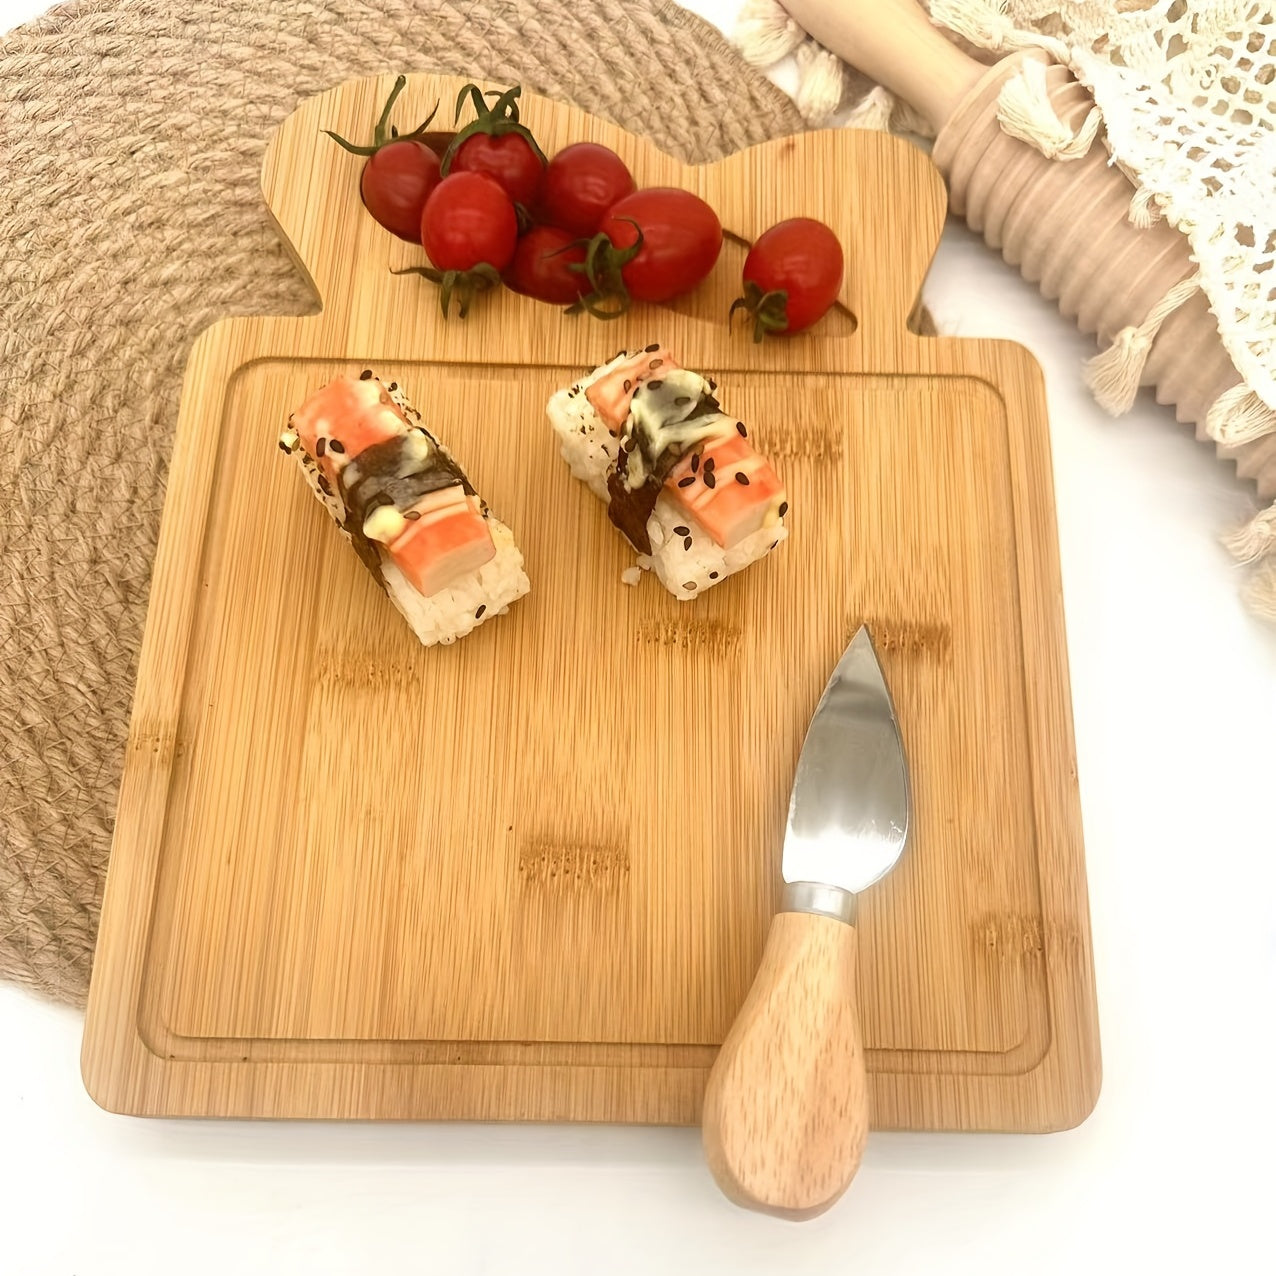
(394, 385)
(688, 584)
(784, 508)
(336, 445)
(412, 515)
(713, 575)
(687, 482)
(739, 425)
(713, 385)
(695, 462)
(686, 544)
(709, 481)
(478, 615)
(321, 447)
(654, 385)
(742, 478)
(655, 363)
(629, 385)
(681, 531)
(366, 375)
(283, 447)
(682, 400)
(651, 349)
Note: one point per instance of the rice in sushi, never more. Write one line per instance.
(405, 505)
(679, 476)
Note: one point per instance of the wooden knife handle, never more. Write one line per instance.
(786, 1109)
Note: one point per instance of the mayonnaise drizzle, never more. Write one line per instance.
(658, 421)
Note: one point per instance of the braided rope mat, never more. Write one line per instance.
(130, 219)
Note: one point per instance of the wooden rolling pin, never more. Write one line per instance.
(1064, 223)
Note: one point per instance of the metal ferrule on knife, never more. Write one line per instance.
(819, 898)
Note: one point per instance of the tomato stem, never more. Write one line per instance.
(385, 132)
(770, 310)
(602, 267)
(465, 285)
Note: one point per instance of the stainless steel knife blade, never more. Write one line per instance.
(851, 802)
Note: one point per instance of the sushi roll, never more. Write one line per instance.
(680, 478)
(413, 517)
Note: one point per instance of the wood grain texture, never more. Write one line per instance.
(530, 876)
(786, 1107)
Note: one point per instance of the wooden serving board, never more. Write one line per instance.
(529, 876)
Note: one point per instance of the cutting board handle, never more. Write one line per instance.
(786, 1109)
(889, 229)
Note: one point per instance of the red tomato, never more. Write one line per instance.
(791, 276)
(541, 264)
(580, 184)
(469, 221)
(681, 239)
(395, 183)
(507, 158)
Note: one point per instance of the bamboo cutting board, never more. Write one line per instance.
(529, 876)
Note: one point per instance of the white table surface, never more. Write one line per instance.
(1174, 695)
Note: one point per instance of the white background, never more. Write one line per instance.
(1175, 705)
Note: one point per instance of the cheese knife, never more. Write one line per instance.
(786, 1108)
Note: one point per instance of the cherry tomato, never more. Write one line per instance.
(541, 266)
(469, 221)
(681, 238)
(507, 158)
(395, 183)
(791, 276)
(580, 184)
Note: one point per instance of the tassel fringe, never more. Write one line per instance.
(821, 83)
(1114, 374)
(1255, 539)
(1025, 111)
(765, 34)
(1145, 209)
(1239, 416)
(873, 111)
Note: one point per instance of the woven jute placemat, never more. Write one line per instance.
(131, 218)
